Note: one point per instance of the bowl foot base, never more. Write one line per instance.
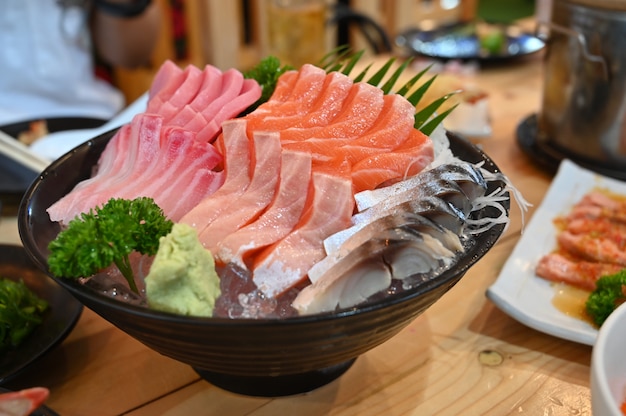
(275, 386)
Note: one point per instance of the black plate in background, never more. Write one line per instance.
(549, 157)
(53, 125)
(452, 43)
(15, 178)
(62, 314)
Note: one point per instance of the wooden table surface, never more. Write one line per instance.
(433, 366)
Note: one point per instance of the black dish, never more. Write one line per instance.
(265, 357)
(16, 178)
(53, 125)
(549, 156)
(456, 43)
(59, 319)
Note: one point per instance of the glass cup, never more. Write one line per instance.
(296, 30)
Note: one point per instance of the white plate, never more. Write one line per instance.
(56, 144)
(518, 291)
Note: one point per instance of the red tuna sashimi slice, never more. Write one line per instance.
(257, 196)
(189, 88)
(281, 216)
(209, 90)
(186, 92)
(165, 79)
(250, 92)
(137, 150)
(407, 160)
(231, 86)
(175, 143)
(328, 104)
(360, 110)
(212, 79)
(236, 151)
(286, 263)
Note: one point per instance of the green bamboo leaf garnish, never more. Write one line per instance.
(422, 116)
(388, 85)
(430, 126)
(362, 74)
(410, 83)
(417, 96)
(426, 119)
(334, 57)
(376, 79)
(352, 62)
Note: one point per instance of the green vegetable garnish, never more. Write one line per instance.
(427, 119)
(610, 292)
(266, 73)
(108, 235)
(493, 42)
(20, 312)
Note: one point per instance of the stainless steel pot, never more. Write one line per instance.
(583, 111)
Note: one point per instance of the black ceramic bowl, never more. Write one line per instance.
(253, 357)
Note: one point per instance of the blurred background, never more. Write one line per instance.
(235, 33)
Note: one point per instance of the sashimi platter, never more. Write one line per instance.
(310, 208)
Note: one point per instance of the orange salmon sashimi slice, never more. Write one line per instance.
(390, 129)
(327, 106)
(279, 219)
(285, 264)
(582, 274)
(304, 94)
(407, 160)
(591, 242)
(237, 167)
(360, 110)
(371, 138)
(256, 197)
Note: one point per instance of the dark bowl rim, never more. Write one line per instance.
(449, 276)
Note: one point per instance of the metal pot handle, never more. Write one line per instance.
(581, 41)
